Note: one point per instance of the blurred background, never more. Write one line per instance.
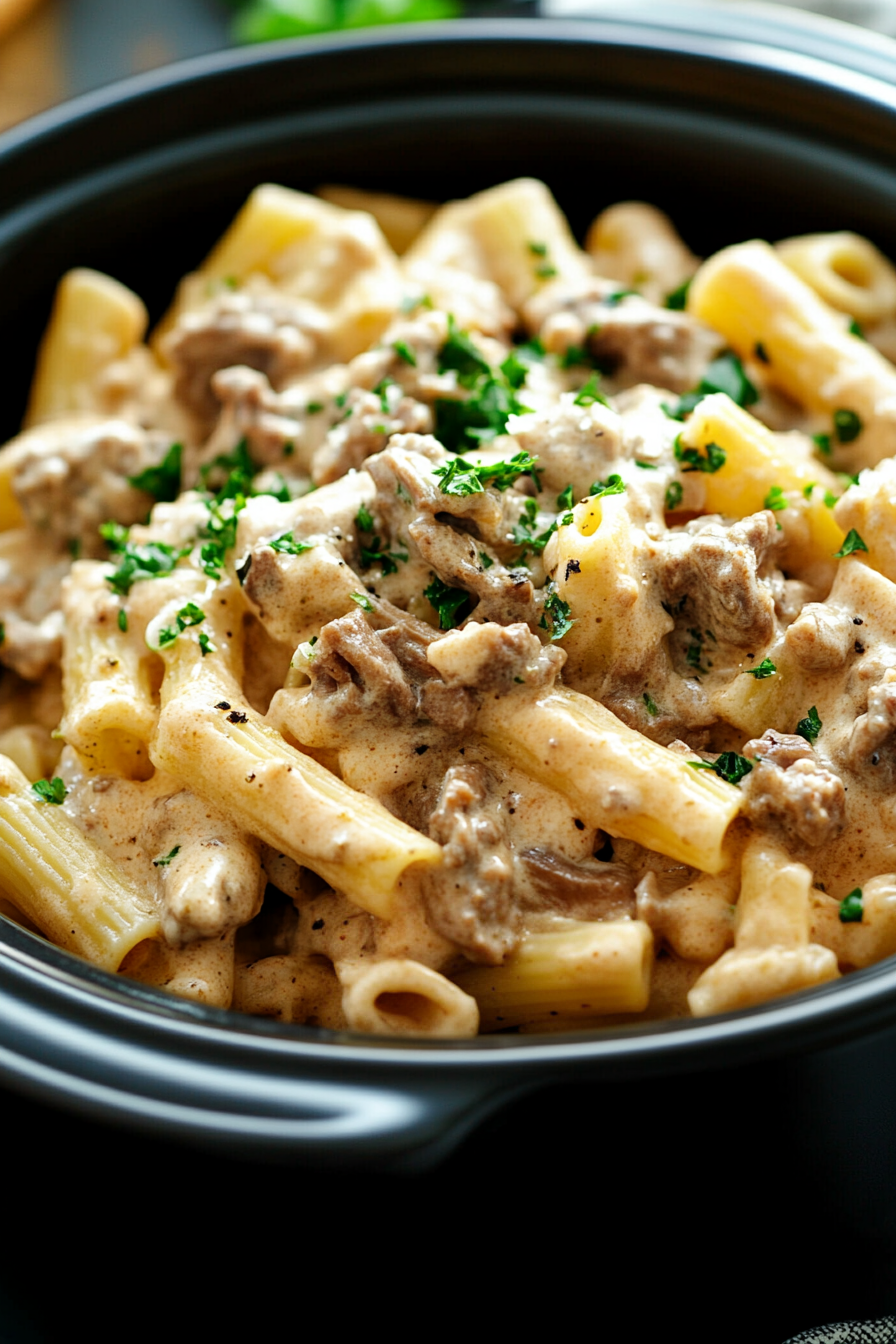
(54, 49)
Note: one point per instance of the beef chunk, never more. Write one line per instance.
(470, 899)
(790, 789)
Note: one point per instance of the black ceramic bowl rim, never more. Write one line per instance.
(72, 1034)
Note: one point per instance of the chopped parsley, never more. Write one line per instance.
(851, 908)
(556, 616)
(538, 249)
(516, 366)
(363, 601)
(50, 790)
(364, 519)
(163, 480)
(545, 271)
(810, 726)
(847, 425)
(164, 859)
(765, 669)
(822, 443)
(693, 460)
(190, 615)
(405, 352)
(674, 493)
(524, 534)
(775, 500)
(853, 542)
(314, 408)
(590, 393)
(459, 477)
(486, 559)
(650, 705)
(287, 544)
(728, 765)
(150, 560)
(566, 498)
(461, 355)
(678, 298)
(122, 620)
(855, 330)
(206, 644)
(448, 602)
(613, 485)
(724, 374)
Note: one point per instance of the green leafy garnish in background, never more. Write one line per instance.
(267, 20)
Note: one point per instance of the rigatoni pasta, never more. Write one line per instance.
(487, 638)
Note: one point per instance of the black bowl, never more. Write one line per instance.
(734, 139)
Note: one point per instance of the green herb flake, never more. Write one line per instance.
(206, 644)
(50, 790)
(646, 466)
(855, 330)
(462, 356)
(538, 249)
(362, 600)
(810, 726)
(448, 602)
(590, 393)
(650, 705)
(693, 460)
(566, 498)
(822, 443)
(163, 480)
(728, 766)
(486, 559)
(852, 543)
(287, 544)
(122, 620)
(137, 562)
(847, 425)
(190, 615)
(314, 408)
(364, 519)
(545, 271)
(613, 485)
(164, 860)
(556, 616)
(775, 500)
(830, 498)
(674, 494)
(851, 908)
(516, 366)
(765, 669)
(677, 300)
(405, 352)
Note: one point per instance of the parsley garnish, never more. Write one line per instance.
(362, 600)
(404, 352)
(162, 481)
(50, 790)
(674, 493)
(190, 615)
(206, 644)
(525, 536)
(516, 366)
(556, 616)
(545, 271)
(122, 620)
(775, 500)
(165, 859)
(728, 765)
(364, 519)
(314, 408)
(822, 443)
(448, 602)
(137, 562)
(810, 726)
(566, 498)
(460, 354)
(590, 393)
(678, 299)
(724, 374)
(486, 559)
(851, 908)
(538, 249)
(847, 425)
(287, 544)
(459, 477)
(715, 458)
(852, 543)
(650, 704)
(765, 669)
(613, 485)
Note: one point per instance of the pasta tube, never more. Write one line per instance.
(772, 954)
(95, 320)
(399, 997)
(66, 886)
(580, 970)
(616, 779)
(748, 294)
(846, 270)
(212, 740)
